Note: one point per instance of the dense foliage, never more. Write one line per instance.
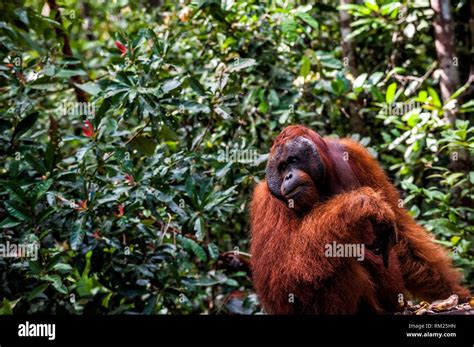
(118, 159)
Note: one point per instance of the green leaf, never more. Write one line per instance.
(460, 91)
(202, 282)
(389, 8)
(306, 17)
(106, 300)
(223, 111)
(40, 189)
(376, 93)
(35, 163)
(198, 251)
(422, 96)
(435, 100)
(468, 105)
(144, 144)
(273, 98)
(45, 214)
(9, 222)
(194, 107)
(213, 251)
(190, 244)
(359, 82)
(215, 9)
(34, 267)
(50, 155)
(358, 8)
(168, 134)
(231, 282)
(61, 267)
(104, 107)
(17, 212)
(375, 78)
(305, 66)
(390, 94)
(90, 88)
(22, 15)
(189, 187)
(361, 22)
(371, 4)
(198, 228)
(329, 62)
(358, 31)
(196, 86)
(452, 178)
(77, 235)
(37, 291)
(70, 73)
(15, 190)
(455, 240)
(57, 283)
(170, 85)
(6, 308)
(25, 124)
(219, 198)
(289, 27)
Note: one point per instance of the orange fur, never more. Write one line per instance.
(291, 273)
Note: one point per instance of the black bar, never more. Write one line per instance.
(222, 330)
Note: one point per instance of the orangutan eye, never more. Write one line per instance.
(292, 160)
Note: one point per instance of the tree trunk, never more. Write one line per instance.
(348, 50)
(81, 96)
(445, 50)
(471, 28)
(471, 51)
(349, 60)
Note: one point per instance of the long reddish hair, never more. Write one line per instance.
(288, 258)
